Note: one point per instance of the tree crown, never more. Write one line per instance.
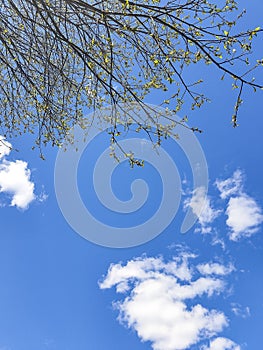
(62, 58)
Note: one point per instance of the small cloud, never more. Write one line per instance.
(215, 269)
(230, 186)
(244, 217)
(221, 343)
(201, 206)
(15, 178)
(240, 311)
(42, 197)
(155, 303)
(49, 343)
(216, 240)
(5, 147)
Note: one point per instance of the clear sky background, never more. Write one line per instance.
(200, 290)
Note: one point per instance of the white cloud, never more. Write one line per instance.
(216, 240)
(244, 217)
(5, 147)
(200, 204)
(15, 178)
(156, 302)
(221, 343)
(215, 269)
(230, 186)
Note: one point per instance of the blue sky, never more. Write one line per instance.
(199, 290)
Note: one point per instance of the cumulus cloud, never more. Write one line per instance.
(244, 215)
(15, 178)
(159, 302)
(221, 343)
(201, 206)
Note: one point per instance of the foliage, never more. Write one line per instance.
(60, 59)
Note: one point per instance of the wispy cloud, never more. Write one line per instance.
(244, 215)
(240, 311)
(230, 186)
(215, 269)
(15, 178)
(201, 206)
(157, 295)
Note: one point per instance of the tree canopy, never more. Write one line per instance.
(60, 59)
